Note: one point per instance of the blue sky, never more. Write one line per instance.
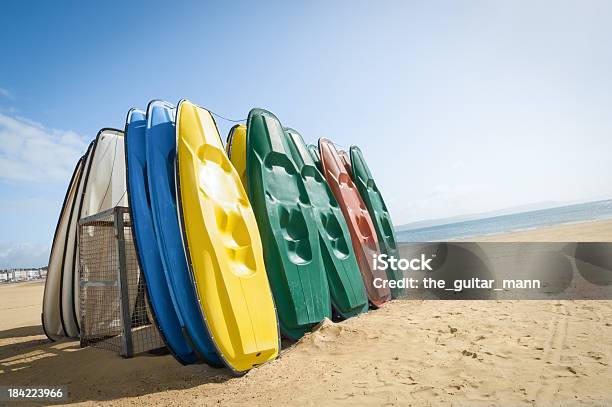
(460, 107)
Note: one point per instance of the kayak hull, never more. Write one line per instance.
(52, 320)
(314, 154)
(143, 233)
(161, 155)
(287, 227)
(348, 295)
(368, 189)
(223, 247)
(346, 161)
(100, 186)
(363, 234)
(105, 188)
(236, 141)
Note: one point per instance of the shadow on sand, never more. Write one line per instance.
(28, 358)
(22, 331)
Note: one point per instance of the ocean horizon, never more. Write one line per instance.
(516, 222)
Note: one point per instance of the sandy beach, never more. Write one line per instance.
(407, 353)
(596, 231)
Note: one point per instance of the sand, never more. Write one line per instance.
(407, 353)
(596, 231)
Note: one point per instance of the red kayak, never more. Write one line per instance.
(346, 160)
(363, 234)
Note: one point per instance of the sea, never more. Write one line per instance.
(515, 222)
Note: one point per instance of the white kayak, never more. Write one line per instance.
(98, 184)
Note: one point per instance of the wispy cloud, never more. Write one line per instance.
(13, 255)
(443, 200)
(34, 153)
(6, 94)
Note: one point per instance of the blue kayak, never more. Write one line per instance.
(143, 233)
(161, 156)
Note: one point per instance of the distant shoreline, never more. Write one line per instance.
(461, 219)
(24, 282)
(590, 212)
(599, 230)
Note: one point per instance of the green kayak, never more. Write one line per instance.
(378, 212)
(287, 227)
(314, 154)
(348, 295)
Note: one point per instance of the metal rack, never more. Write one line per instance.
(114, 309)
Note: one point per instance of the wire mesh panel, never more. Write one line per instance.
(114, 308)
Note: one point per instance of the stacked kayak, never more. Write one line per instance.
(346, 161)
(347, 293)
(53, 315)
(378, 212)
(145, 242)
(237, 243)
(223, 247)
(161, 155)
(287, 226)
(314, 154)
(358, 219)
(236, 141)
(97, 184)
(346, 287)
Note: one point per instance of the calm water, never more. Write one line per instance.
(510, 223)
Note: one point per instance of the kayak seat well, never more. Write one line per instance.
(215, 175)
(364, 229)
(344, 179)
(295, 233)
(282, 181)
(236, 240)
(284, 190)
(388, 232)
(311, 175)
(371, 185)
(216, 183)
(335, 235)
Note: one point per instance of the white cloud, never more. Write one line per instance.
(5, 93)
(15, 255)
(444, 200)
(31, 152)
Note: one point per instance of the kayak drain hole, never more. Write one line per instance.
(258, 354)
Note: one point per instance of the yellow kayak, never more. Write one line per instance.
(236, 141)
(223, 246)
